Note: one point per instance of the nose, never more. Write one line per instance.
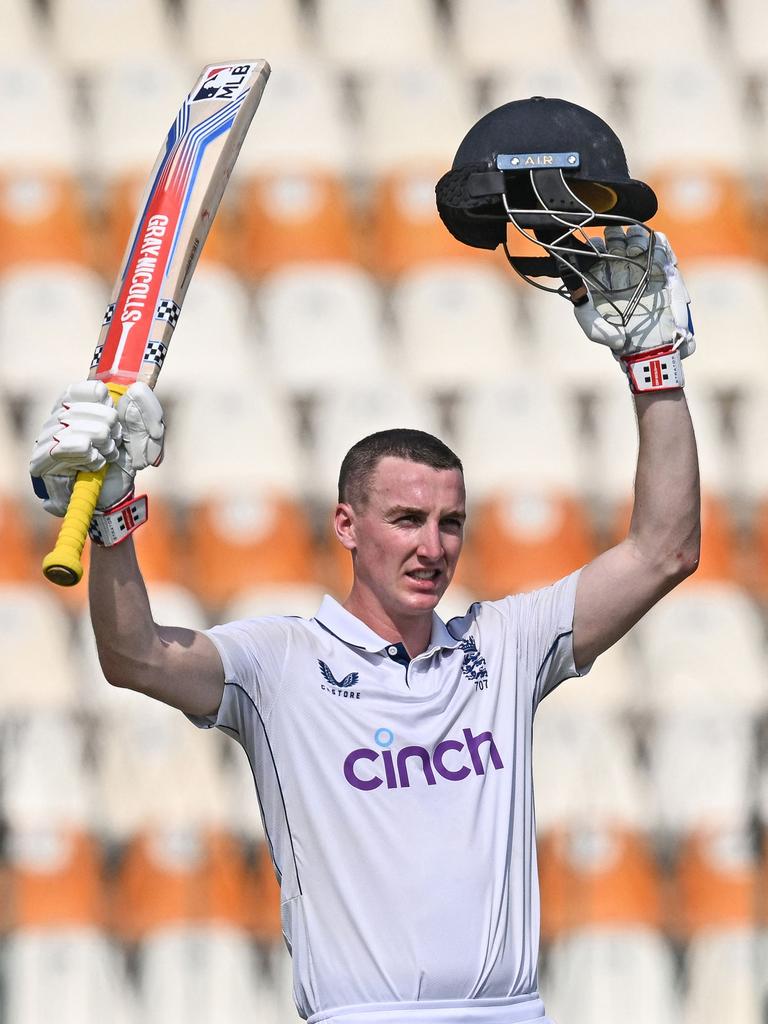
(430, 546)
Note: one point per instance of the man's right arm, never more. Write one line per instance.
(178, 666)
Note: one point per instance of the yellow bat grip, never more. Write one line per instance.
(63, 565)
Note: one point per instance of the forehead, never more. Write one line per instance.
(398, 481)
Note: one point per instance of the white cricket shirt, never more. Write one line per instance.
(397, 801)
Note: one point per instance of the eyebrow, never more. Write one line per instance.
(399, 510)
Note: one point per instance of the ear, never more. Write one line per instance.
(344, 525)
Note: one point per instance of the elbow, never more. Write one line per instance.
(684, 561)
(110, 669)
(118, 670)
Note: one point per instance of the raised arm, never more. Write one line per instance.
(662, 545)
(178, 666)
(84, 431)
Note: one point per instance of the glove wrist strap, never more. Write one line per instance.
(112, 525)
(657, 369)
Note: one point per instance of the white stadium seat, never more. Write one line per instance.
(456, 327)
(141, 28)
(13, 457)
(272, 29)
(211, 351)
(345, 415)
(204, 975)
(568, 79)
(22, 34)
(516, 436)
(749, 466)
(681, 30)
(751, 47)
(133, 104)
(671, 113)
(47, 782)
(363, 37)
(52, 313)
(37, 122)
(252, 450)
(729, 300)
(614, 685)
(397, 104)
(702, 647)
(36, 676)
(702, 768)
(321, 327)
(154, 769)
(70, 975)
(584, 767)
(602, 975)
(303, 125)
(484, 30)
(723, 970)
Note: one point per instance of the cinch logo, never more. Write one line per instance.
(395, 763)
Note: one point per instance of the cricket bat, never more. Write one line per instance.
(175, 215)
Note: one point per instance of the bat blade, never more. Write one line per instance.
(173, 221)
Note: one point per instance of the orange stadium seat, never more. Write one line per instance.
(705, 212)
(295, 218)
(19, 562)
(54, 878)
(121, 206)
(526, 541)
(43, 218)
(754, 562)
(234, 543)
(604, 878)
(181, 878)
(716, 883)
(719, 543)
(159, 547)
(406, 229)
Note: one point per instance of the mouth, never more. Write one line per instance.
(425, 579)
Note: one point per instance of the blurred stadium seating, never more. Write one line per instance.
(133, 855)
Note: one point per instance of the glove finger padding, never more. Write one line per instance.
(85, 431)
(141, 416)
(661, 316)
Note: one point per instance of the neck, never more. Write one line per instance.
(414, 631)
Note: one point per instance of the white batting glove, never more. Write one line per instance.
(85, 431)
(659, 332)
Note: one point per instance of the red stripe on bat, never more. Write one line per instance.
(136, 304)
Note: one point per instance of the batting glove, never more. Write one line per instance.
(650, 341)
(85, 431)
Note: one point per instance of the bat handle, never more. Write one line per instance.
(63, 565)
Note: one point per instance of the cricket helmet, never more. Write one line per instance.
(551, 169)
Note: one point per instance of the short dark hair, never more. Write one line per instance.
(362, 459)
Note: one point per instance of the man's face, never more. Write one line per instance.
(407, 537)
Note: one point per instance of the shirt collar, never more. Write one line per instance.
(353, 631)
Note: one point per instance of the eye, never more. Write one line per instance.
(453, 522)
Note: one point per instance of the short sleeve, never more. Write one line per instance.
(543, 623)
(252, 653)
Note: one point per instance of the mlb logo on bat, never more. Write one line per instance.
(222, 83)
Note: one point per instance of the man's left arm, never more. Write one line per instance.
(649, 334)
(662, 546)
